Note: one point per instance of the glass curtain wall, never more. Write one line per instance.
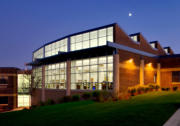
(92, 73)
(37, 77)
(91, 39)
(55, 76)
(38, 54)
(24, 83)
(56, 47)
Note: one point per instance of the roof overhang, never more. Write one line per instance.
(107, 49)
(78, 54)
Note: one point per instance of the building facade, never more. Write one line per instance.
(104, 58)
(14, 88)
(8, 88)
(24, 88)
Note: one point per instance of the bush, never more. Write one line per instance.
(101, 96)
(96, 95)
(165, 89)
(140, 90)
(76, 97)
(86, 95)
(66, 99)
(157, 87)
(41, 103)
(124, 96)
(153, 86)
(146, 89)
(175, 88)
(49, 102)
(33, 106)
(132, 91)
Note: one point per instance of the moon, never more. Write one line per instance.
(130, 14)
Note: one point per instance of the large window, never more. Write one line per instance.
(38, 54)
(176, 76)
(3, 80)
(135, 38)
(91, 39)
(93, 73)
(24, 100)
(56, 47)
(55, 76)
(37, 77)
(24, 81)
(4, 100)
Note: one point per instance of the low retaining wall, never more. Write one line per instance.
(54, 94)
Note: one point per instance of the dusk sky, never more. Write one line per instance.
(25, 25)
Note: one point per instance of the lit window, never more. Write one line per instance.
(102, 32)
(93, 42)
(93, 35)
(102, 41)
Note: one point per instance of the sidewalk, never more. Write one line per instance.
(174, 119)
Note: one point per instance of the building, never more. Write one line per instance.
(23, 88)
(8, 88)
(14, 88)
(103, 58)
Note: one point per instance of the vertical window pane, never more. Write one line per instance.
(110, 38)
(93, 42)
(102, 41)
(86, 36)
(110, 31)
(102, 32)
(93, 35)
(86, 44)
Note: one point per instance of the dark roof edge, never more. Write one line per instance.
(9, 68)
(138, 33)
(169, 56)
(153, 42)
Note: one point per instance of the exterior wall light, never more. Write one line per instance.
(149, 64)
(130, 60)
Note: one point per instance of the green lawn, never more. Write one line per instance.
(151, 109)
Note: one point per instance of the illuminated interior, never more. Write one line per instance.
(24, 81)
(92, 73)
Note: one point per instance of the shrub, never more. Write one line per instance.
(140, 90)
(66, 99)
(86, 95)
(41, 103)
(146, 89)
(101, 96)
(157, 87)
(165, 89)
(106, 95)
(132, 91)
(96, 95)
(49, 102)
(124, 96)
(153, 86)
(76, 97)
(33, 106)
(175, 88)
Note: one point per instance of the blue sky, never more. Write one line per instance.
(25, 25)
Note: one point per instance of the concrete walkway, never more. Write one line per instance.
(174, 120)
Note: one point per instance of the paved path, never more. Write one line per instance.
(174, 119)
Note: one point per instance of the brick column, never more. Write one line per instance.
(116, 75)
(68, 78)
(158, 74)
(141, 72)
(43, 84)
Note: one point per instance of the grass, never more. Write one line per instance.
(143, 110)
